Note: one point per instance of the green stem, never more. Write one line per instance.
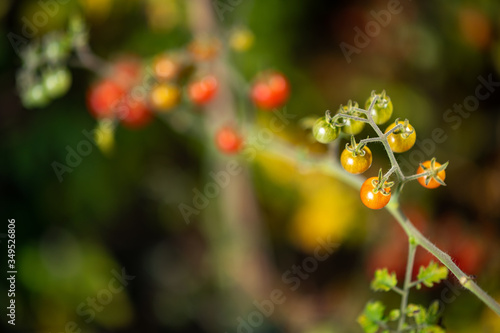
(398, 290)
(417, 176)
(412, 248)
(390, 172)
(368, 140)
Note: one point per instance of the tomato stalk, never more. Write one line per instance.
(412, 249)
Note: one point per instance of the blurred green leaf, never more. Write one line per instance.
(432, 274)
(384, 281)
(372, 317)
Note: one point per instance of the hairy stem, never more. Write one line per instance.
(412, 248)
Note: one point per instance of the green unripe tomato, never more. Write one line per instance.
(56, 82)
(353, 127)
(324, 132)
(382, 110)
(35, 96)
(56, 48)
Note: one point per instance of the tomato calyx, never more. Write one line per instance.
(432, 172)
(349, 109)
(356, 149)
(402, 128)
(382, 99)
(379, 107)
(380, 184)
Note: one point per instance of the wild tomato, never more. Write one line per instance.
(203, 90)
(134, 113)
(228, 140)
(356, 162)
(325, 132)
(164, 97)
(401, 140)
(270, 90)
(103, 97)
(437, 176)
(373, 198)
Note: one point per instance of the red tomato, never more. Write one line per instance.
(371, 199)
(203, 90)
(127, 72)
(103, 97)
(133, 113)
(270, 91)
(204, 48)
(228, 140)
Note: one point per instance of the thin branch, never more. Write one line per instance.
(412, 248)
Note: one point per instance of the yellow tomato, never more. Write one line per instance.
(164, 97)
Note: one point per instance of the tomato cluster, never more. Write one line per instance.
(114, 97)
(130, 91)
(124, 95)
(44, 75)
(270, 90)
(356, 158)
(228, 140)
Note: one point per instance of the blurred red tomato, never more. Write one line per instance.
(127, 72)
(203, 90)
(228, 140)
(103, 97)
(270, 90)
(134, 113)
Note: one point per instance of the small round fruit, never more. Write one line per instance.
(353, 127)
(270, 90)
(133, 113)
(371, 199)
(401, 142)
(166, 67)
(127, 71)
(325, 132)
(356, 164)
(35, 96)
(228, 140)
(241, 39)
(432, 183)
(202, 91)
(164, 97)
(204, 48)
(56, 81)
(103, 97)
(56, 47)
(382, 110)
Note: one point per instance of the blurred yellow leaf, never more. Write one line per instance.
(490, 320)
(241, 39)
(104, 136)
(163, 15)
(328, 210)
(97, 9)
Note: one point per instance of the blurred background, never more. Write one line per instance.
(248, 261)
